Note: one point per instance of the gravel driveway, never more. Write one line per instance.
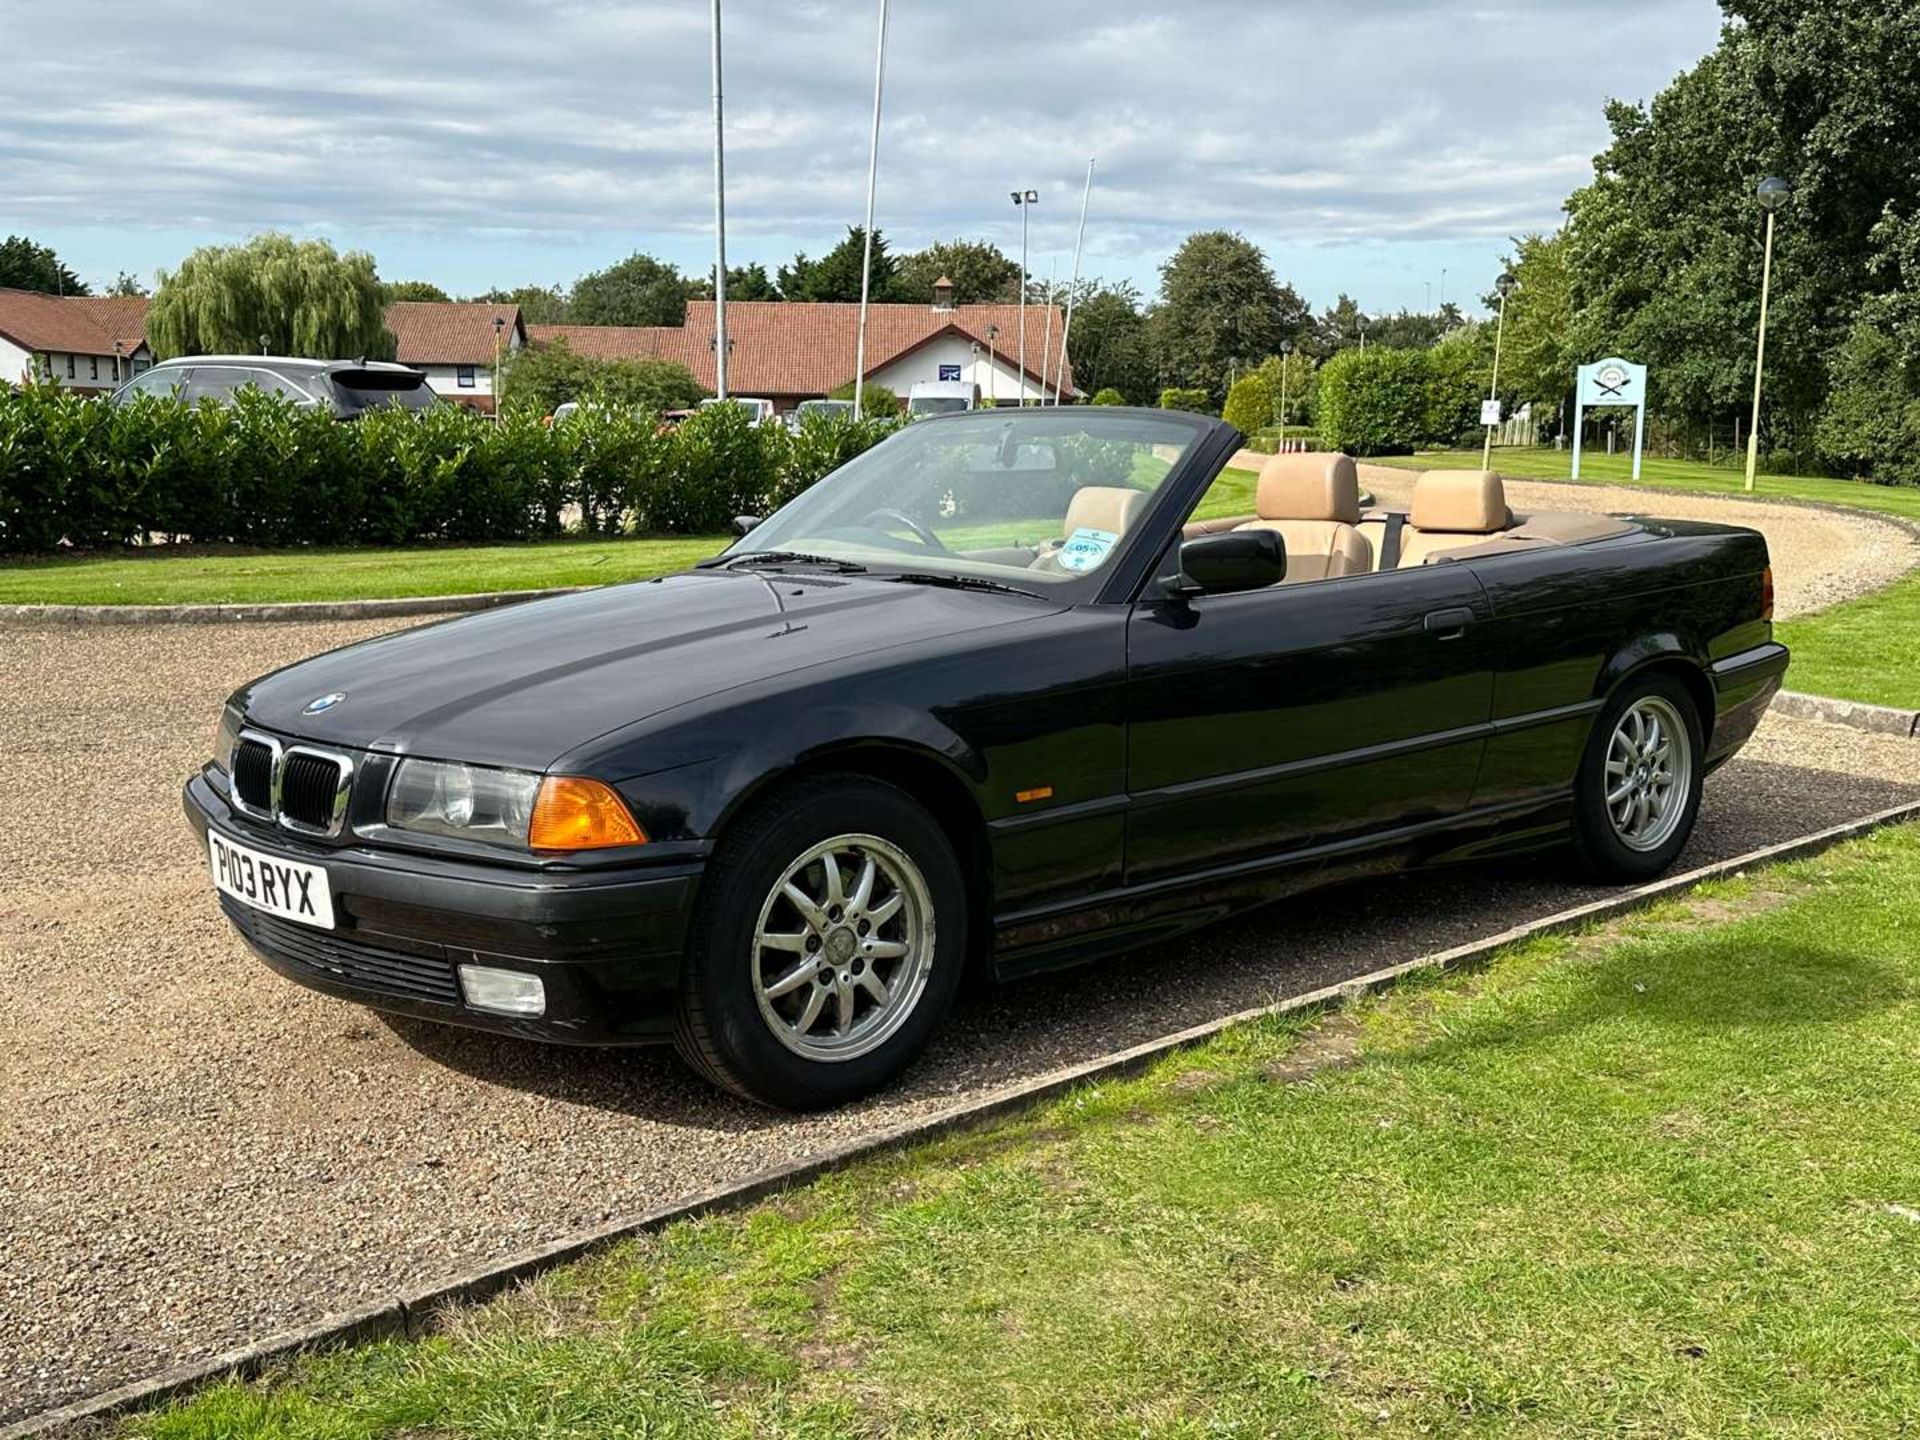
(198, 1153)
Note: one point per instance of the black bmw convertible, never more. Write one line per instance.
(986, 698)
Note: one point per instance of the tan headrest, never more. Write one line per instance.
(1103, 507)
(1460, 502)
(1309, 487)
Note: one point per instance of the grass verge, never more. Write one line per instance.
(226, 575)
(1657, 1179)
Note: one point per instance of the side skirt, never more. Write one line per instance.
(1054, 936)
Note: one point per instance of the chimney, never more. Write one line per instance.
(943, 294)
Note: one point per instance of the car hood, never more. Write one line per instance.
(522, 685)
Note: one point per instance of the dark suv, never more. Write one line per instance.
(349, 388)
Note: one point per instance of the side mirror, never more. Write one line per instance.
(1231, 561)
(743, 523)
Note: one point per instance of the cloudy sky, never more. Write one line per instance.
(1367, 145)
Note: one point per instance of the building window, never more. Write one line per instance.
(94, 361)
(70, 369)
(463, 376)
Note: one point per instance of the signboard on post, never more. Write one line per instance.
(949, 372)
(1490, 412)
(1611, 382)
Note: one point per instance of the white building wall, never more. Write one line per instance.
(1001, 381)
(90, 372)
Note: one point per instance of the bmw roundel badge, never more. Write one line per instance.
(322, 703)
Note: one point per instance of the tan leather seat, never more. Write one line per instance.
(1453, 510)
(1112, 508)
(1313, 502)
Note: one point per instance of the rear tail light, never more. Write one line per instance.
(1766, 593)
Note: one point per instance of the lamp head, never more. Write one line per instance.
(1033, 197)
(499, 323)
(1506, 284)
(1772, 192)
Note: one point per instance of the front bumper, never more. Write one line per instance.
(607, 945)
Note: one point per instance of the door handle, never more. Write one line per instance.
(1449, 624)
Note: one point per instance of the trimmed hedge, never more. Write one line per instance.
(1386, 401)
(77, 471)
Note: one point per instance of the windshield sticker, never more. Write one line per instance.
(1086, 549)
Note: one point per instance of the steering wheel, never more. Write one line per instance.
(920, 532)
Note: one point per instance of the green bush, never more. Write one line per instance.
(874, 399)
(1107, 395)
(544, 379)
(1376, 402)
(1869, 426)
(1176, 398)
(1250, 404)
(78, 472)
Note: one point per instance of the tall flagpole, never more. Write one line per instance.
(866, 262)
(1073, 292)
(719, 221)
(1046, 337)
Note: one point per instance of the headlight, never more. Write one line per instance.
(226, 736)
(467, 802)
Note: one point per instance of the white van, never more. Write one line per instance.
(942, 397)
(759, 411)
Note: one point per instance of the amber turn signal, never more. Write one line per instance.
(572, 813)
(1766, 594)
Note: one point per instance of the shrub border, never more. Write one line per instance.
(412, 1313)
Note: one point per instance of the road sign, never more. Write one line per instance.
(1490, 412)
(1611, 382)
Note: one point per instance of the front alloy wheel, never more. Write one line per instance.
(827, 944)
(843, 947)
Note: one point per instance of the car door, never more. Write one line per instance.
(1280, 720)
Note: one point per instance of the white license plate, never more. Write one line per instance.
(280, 887)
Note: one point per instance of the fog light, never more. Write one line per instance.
(505, 992)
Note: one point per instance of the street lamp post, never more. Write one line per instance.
(1505, 286)
(499, 327)
(1772, 194)
(993, 367)
(1025, 199)
(116, 363)
(866, 258)
(720, 346)
(1286, 354)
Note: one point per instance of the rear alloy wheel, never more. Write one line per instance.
(1638, 792)
(827, 945)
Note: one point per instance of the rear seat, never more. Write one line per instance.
(1453, 510)
(1313, 502)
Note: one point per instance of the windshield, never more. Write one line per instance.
(1039, 501)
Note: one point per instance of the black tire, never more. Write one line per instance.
(719, 1027)
(1598, 845)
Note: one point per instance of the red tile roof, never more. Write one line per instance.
(449, 332)
(73, 324)
(783, 348)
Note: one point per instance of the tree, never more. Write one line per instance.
(836, 274)
(1412, 329)
(1220, 306)
(746, 282)
(539, 304)
(1110, 344)
(978, 270)
(1666, 241)
(393, 290)
(27, 266)
(1340, 325)
(543, 378)
(273, 293)
(126, 286)
(1538, 359)
(640, 290)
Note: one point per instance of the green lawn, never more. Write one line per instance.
(1659, 1180)
(222, 576)
(1541, 464)
(231, 576)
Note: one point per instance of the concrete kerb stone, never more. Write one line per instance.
(413, 1313)
(291, 612)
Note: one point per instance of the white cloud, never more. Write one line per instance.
(1300, 123)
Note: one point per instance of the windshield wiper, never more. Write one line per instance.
(784, 557)
(960, 582)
